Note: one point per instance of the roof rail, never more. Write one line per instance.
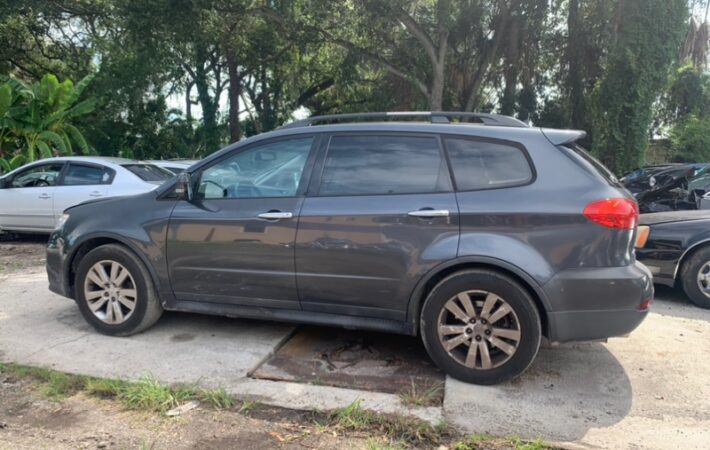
(434, 117)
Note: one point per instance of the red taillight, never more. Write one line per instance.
(645, 305)
(621, 213)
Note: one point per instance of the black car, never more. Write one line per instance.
(639, 179)
(480, 237)
(675, 246)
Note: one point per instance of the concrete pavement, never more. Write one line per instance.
(647, 391)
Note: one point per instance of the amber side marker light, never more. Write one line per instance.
(642, 236)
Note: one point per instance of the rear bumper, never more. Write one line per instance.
(597, 303)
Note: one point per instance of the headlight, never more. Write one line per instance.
(652, 181)
(62, 220)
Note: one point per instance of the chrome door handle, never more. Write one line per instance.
(275, 215)
(429, 213)
(44, 196)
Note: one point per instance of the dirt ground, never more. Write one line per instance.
(21, 252)
(30, 421)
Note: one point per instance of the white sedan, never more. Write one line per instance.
(33, 197)
(176, 166)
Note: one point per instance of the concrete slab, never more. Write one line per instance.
(650, 390)
(44, 329)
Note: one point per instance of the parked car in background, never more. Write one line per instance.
(675, 246)
(480, 237)
(638, 180)
(33, 197)
(674, 189)
(173, 165)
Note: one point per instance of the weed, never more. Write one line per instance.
(247, 406)
(414, 396)
(217, 398)
(537, 444)
(472, 442)
(382, 444)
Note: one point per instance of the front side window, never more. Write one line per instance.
(269, 170)
(486, 165)
(39, 176)
(381, 165)
(79, 175)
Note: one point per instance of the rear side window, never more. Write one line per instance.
(78, 175)
(148, 172)
(381, 165)
(486, 165)
(583, 158)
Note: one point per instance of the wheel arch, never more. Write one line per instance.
(82, 247)
(687, 254)
(438, 273)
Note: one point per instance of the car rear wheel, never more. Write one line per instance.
(695, 277)
(115, 293)
(481, 327)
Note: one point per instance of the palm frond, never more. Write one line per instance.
(44, 150)
(55, 139)
(78, 138)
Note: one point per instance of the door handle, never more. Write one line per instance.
(95, 194)
(429, 213)
(44, 196)
(275, 215)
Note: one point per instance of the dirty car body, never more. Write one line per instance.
(322, 225)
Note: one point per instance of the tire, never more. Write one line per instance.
(689, 277)
(481, 286)
(135, 289)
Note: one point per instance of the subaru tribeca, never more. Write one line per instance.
(481, 235)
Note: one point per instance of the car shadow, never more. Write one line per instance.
(567, 390)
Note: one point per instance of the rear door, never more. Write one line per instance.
(27, 203)
(81, 182)
(380, 214)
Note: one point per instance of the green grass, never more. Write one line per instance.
(146, 394)
(413, 396)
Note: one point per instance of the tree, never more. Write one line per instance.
(690, 140)
(42, 114)
(648, 34)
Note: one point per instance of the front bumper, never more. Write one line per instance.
(57, 270)
(598, 303)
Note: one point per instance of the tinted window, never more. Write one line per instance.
(84, 175)
(269, 170)
(39, 176)
(148, 172)
(371, 165)
(486, 165)
(582, 157)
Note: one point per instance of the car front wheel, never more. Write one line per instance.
(115, 292)
(481, 327)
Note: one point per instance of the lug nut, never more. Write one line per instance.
(488, 331)
(473, 321)
(469, 331)
(478, 338)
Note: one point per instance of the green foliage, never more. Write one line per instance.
(648, 37)
(690, 140)
(37, 118)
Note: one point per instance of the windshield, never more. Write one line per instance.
(148, 172)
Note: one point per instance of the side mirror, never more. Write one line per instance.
(183, 187)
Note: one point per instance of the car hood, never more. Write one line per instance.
(673, 216)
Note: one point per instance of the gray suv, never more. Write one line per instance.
(481, 236)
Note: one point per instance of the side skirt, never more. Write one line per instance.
(294, 316)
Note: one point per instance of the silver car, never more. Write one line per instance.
(174, 165)
(33, 197)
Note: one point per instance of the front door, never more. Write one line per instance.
(381, 215)
(234, 243)
(27, 203)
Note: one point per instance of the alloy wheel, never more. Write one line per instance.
(703, 279)
(110, 292)
(479, 329)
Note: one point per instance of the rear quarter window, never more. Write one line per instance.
(479, 164)
(583, 158)
(148, 172)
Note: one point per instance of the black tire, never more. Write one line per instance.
(147, 305)
(689, 277)
(510, 292)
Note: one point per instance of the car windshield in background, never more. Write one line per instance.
(147, 172)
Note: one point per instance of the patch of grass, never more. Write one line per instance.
(247, 407)
(537, 444)
(406, 430)
(414, 396)
(472, 442)
(53, 384)
(218, 398)
(383, 444)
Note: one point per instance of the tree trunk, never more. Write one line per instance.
(575, 84)
(188, 101)
(208, 104)
(234, 91)
(512, 68)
